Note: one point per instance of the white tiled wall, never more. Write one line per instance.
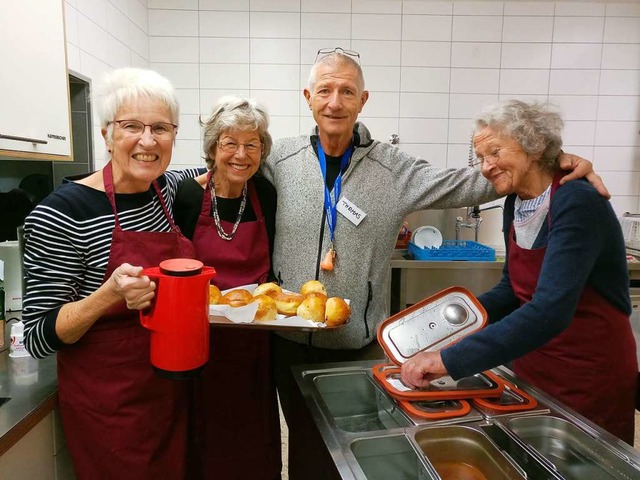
(429, 65)
(103, 35)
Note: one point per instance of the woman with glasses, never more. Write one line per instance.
(561, 311)
(229, 213)
(86, 246)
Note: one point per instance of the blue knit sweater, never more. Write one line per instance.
(584, 247)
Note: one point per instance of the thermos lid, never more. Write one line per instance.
(181, 267)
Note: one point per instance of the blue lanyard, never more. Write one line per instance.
(331, 205)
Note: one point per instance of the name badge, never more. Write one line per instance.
(350, 211)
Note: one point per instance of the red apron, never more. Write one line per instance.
(120, 419)
(591, 366)
(236, 422)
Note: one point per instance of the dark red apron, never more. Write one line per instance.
(236, 413)
(591, 366)
(120, 419)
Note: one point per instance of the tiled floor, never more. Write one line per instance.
(636, 443)
(284, 434)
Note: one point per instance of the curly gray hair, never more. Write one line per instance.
(235, 113)
(534, 126)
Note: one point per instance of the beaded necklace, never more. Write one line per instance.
(216, 217)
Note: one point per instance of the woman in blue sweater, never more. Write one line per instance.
(561, 310)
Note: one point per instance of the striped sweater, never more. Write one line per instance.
(67, 244)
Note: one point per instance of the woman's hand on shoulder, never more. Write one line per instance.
(136, 289)
(422, 368)
(580, 168)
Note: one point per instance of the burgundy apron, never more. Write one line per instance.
(236, 421)
(591, 366)
(120, 419)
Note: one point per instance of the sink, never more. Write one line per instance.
(356, 404)
(382, 458)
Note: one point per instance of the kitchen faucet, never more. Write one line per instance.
(473, 220)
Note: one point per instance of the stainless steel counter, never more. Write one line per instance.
(412, 280)
(369, 436)
(30, 386)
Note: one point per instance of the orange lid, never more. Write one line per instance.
(436, 409)
(484, 384)
(431, 324)
(181, 267)
(512, 399)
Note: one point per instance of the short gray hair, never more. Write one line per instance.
(235, 113)
(336, 58)
(125, 85)
(536, 127)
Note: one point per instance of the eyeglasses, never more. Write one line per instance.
(323, 52)
(491, 159)
(136, 128)
(232, 147)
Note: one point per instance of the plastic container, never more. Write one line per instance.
(17, 341)
(454, 250)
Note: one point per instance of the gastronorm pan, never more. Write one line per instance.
(575, 454)
(356, 404)
(460, 452)
(390, 457)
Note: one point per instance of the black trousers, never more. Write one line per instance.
(309, 458)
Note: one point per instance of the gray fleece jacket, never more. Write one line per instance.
(387, 185)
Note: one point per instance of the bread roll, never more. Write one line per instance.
(267, 310)
(316, 294)
(271, 289)
(214, 295)
(313, 286)
(287, 303)
(312, 307)
(238, 297)
(337, 312)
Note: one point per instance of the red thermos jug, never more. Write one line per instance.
(178, 317)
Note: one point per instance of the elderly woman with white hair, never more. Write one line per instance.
(561, 310)
(229, 213)
(86, 246)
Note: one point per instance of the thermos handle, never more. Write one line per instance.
(147, 313)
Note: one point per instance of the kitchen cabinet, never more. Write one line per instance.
(40, 454)
(34, 91)
(32, 456)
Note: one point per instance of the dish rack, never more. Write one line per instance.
(454, 250)
(630, 223)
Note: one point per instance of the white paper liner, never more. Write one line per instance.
(247, 313)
